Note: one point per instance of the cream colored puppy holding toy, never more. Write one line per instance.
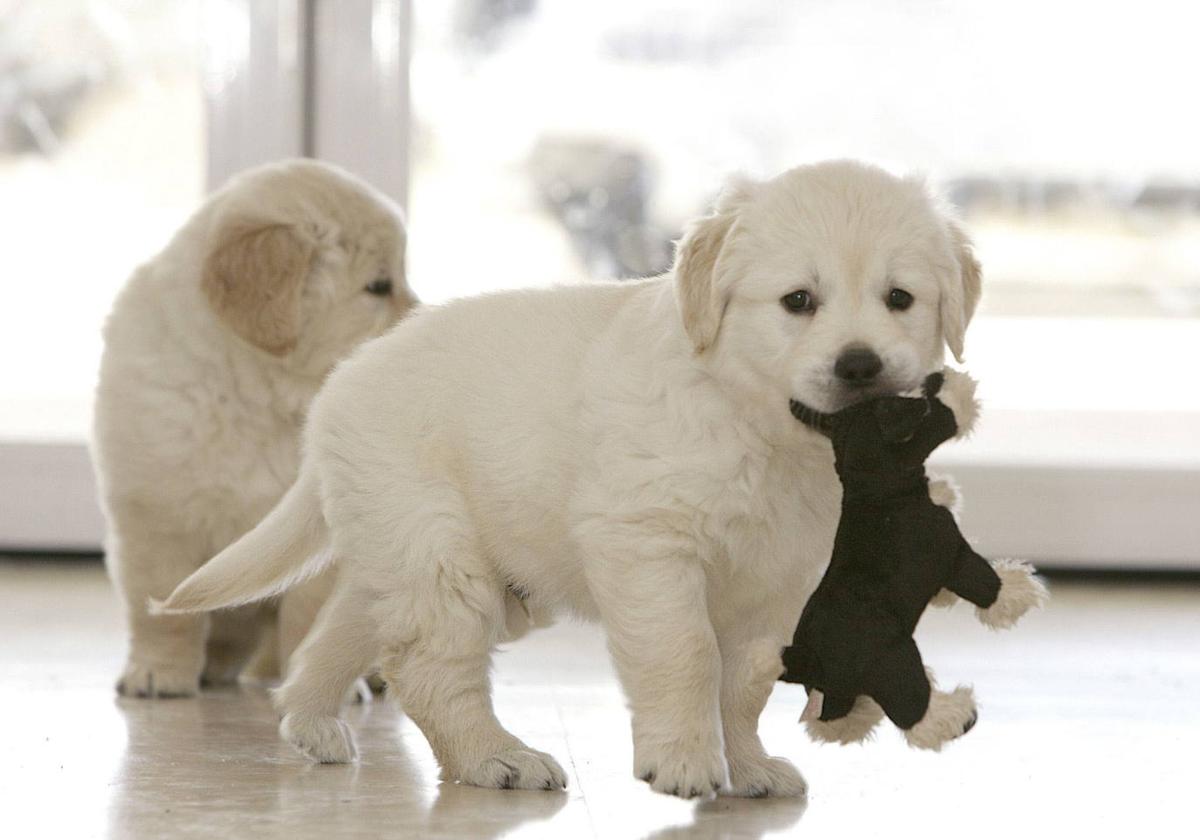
(619, 451)
(213, 352)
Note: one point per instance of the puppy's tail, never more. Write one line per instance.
(286, 547)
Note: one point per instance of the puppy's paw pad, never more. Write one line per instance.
(140, 680)
(765, 776)
(686, 773)
(523, 769)
(324, 739)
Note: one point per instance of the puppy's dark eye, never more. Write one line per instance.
(799, 302)
(381, 286)
(899, 300)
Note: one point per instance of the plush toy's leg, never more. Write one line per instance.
(904, 689)
(951, 714)
(800, 666)
(834, 706)
(943, 491)
(841, 720)
(943, 599)
(898, 683)
(973, 578)
(1020, 591)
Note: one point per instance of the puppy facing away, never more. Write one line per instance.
(213, 352)
(622, 452)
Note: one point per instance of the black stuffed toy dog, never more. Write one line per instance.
(895, 550)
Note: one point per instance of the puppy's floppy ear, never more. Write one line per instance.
(701, 303)
(899, 417)
(253, 276)
(961, 295)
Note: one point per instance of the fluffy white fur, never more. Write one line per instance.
(622, 452)
(958, 395)
(1020, 591)
(855, 727)
(213, 352)
(944, 491)
(950, 715)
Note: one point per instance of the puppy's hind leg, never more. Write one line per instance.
(166, 652)
(447, 693)
(446, 611)
(342, 646)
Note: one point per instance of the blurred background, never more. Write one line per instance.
(545, 141)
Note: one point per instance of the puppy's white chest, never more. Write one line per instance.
(773, 536)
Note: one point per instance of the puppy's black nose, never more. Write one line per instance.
(858, 366)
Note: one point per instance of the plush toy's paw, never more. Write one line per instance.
(951, 714)
(146, 680)
(943, 599)
(943, 491)
(958, 395)
(681, 769)
(1020, 591)
(932, 384)
(764, 775)
(855, 727)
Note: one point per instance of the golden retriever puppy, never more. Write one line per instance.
(618, 451)
(212, 353)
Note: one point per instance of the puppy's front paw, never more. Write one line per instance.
(765, 775)
(524, 769)
(680, 769)
(145, 680)
(323, 738)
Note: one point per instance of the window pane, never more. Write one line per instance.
(101, 157)
(564, 139)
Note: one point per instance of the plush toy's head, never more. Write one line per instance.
(868, 437)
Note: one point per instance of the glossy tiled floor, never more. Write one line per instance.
(1090, 727)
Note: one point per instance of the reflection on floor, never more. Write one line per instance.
(1090, 726)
